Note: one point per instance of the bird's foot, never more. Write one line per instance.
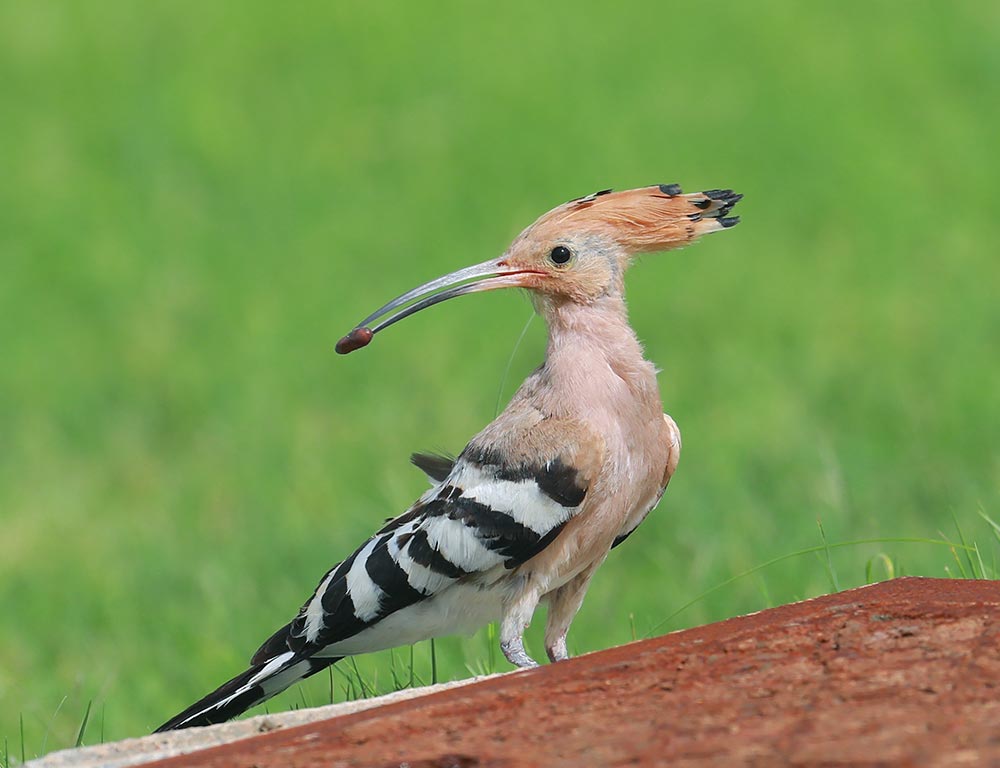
(557, 650)
(516, 655)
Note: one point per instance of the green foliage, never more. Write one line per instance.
(198, 199)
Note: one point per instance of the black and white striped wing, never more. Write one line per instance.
(481, 520)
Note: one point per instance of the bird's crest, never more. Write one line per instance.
(653, 218)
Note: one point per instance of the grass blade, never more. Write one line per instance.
(887, 564)
(492, 645)
(994, 527)
(979, 560)
(349, 693)
(48, 729)
(434, 663)
(968, 554)
(958, 561)
(366, 692)
(397, 683)
(83, 726)
(830, 572)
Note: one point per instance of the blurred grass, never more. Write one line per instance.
(198, 199)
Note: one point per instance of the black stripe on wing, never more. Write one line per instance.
(338, 620)
(422, 553)
(392, 523)
(497, 531)
(560, 483)
(557, 480)
(389, 576)
(275, 645)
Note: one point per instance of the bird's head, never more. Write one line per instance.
(576, 252)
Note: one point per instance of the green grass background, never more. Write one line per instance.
(197, 199)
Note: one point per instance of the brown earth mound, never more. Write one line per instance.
(905, 672)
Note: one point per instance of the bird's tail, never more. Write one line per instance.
(256, 685)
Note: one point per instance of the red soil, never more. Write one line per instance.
(906, 672)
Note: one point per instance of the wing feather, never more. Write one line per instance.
(488, 513)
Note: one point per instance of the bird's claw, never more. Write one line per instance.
(557, 651)
(516, 655)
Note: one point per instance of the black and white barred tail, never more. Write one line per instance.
(253, 687)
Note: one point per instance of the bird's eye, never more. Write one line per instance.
(560, 256)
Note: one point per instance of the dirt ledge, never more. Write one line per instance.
(905, 672)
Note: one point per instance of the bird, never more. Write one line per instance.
(534, 503)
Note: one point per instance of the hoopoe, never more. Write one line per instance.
(535, 502)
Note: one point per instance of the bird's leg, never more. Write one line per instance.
(516, 618)
(513, 649)
(563, 605)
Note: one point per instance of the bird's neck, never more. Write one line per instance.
(601, 327)
(594, 359)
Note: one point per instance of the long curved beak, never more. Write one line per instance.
(488, 276)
